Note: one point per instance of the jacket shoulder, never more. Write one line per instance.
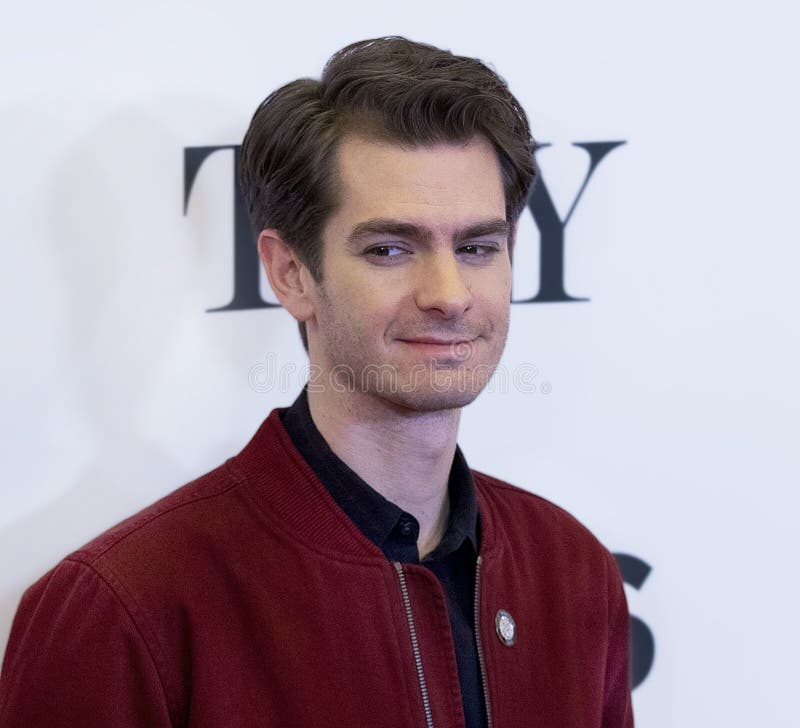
(521, 514)
(124, 601)
(192, 505)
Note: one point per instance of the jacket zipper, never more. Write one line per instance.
(481, 661)
(426, 703)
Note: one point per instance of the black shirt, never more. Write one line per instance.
(395, 532)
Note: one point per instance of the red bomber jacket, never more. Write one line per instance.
(247, 598)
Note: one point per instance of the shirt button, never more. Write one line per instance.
(406, 528)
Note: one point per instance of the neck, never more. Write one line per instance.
(405, 455)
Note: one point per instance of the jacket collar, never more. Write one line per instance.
(291, 497)
(387, 525)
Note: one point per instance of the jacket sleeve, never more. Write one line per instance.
(75, 657)
(617, 709)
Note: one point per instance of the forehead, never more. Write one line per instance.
(440, 185)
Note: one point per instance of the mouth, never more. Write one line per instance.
(438, 342)
(460, 349)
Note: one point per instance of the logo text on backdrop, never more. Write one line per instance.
(246, 266)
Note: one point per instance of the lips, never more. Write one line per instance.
(438, 342)
(452, 350)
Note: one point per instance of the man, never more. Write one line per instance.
(347, 568)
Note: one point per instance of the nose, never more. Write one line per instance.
(441, 285)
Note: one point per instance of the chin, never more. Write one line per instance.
(444, 390)
(431, 401)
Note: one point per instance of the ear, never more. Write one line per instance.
(289, 278)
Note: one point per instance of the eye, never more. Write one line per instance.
(479, 250)
(386, 251)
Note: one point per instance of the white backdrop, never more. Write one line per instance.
(662, 412)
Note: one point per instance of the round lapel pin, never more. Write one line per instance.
(506, 627)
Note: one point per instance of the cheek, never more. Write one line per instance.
(494, 293)
(358, 314)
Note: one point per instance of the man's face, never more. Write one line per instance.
(414, 303)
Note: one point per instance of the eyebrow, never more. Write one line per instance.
(400, 228)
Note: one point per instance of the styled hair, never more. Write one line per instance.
(388, 89)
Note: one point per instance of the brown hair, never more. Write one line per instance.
(386, 88)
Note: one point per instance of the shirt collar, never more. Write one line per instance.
(388, 526)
